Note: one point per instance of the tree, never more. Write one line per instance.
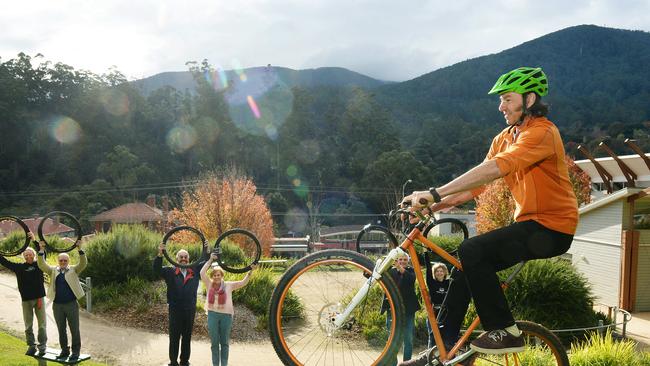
(580, 181)
(123, 168)
(226, 200)
(495, 207)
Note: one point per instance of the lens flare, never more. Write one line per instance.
(296, 220)
(309, 151)
(65, 130)
(292, 170)
(271, 132)
(253, 106)
(261, 105)
(301, 189)
(239, 70)
(181, 138)
(115, 102)
(223, 78)
(207, 128)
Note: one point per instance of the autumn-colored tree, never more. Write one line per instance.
(580, 181)
(226, 200)
(495, 207)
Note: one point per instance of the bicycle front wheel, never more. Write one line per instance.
(543, 348)
(310, 296)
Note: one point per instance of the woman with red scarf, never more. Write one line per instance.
(220, 308)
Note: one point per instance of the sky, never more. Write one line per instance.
(392, 40)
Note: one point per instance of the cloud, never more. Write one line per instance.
(385, 39)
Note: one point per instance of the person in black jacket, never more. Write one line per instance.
(182, 285)
(438, 285)
(32, 293)
(404, 277)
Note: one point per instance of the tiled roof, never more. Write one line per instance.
(49, 227)
(130, 213)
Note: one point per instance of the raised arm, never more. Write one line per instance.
(83, 261)
(206, 266)
(157, 262)
(9, 264)
(429, 272)
(239, 284)
(46, 268)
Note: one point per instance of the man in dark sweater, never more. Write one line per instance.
(32, 293)
(182, 285)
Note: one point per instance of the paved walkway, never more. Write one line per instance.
(126, 346)
(639, 329)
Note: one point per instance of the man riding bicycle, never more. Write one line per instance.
(529, 156)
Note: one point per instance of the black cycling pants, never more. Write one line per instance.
(482, 257)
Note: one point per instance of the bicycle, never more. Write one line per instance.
(336, 314)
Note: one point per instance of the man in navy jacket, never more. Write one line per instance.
(182, 285)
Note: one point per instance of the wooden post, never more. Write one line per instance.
(629, 264)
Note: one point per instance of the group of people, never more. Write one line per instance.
(437, 284)
(528, 154)
(64, 290)
(182, 286)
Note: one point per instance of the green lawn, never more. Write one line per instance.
(13, 353)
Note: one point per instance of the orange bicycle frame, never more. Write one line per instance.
(407, 245)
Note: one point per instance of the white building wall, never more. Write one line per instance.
(445, 229)
(643, 273)
(596, 251)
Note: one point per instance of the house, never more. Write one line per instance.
(146, 214)
(611, 246)
(50, 227)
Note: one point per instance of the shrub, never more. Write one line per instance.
(553, 293)
(135, 292)
(127, 251)
(603, 350)
(13, 241)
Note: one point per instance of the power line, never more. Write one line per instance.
(188, 184)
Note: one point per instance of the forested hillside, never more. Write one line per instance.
(325, 142)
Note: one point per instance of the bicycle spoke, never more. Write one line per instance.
(324, 289)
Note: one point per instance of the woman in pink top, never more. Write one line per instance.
(220, 308)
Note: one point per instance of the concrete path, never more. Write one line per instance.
(126, 346)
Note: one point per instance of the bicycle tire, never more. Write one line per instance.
(547, 347)
(392, 240)
(204, 251)
(21, 223)
(323, 282)
(220, 259)
(446, 220)
(75, 223)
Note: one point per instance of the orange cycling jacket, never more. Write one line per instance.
(532, 161)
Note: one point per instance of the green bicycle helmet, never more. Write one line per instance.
(522, 80)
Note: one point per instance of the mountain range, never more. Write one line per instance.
(598, 77)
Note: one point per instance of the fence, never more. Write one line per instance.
(87, 285)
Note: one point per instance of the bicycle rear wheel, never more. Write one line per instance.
(313, 292)
(13, 236)
(543, 348)
(375, 238)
